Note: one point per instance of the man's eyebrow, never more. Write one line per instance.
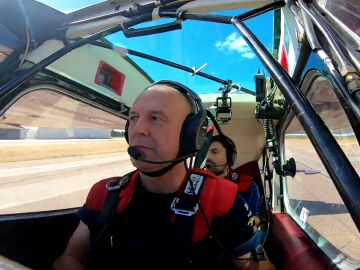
(154, 112)
(160, 113)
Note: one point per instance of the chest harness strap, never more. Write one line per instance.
(184, 205)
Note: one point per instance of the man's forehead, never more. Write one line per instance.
(216, 145)
(158, 112)
(161, 89)
(160, 92)
(161, 96)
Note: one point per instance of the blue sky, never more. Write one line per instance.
(221, 47)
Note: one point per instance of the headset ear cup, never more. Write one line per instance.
(193, 134)
(201, 133)
(187, 136)
(231, 152)
(229, 158)
(233, 156)
(126, 133)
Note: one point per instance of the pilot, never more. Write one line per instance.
(221, 156)
(165, 214)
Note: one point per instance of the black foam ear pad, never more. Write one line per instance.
(231, 152)
(193, 134)
(201, 133)
(230, 157)
(126, 133)
(233, 156)
(187, 136)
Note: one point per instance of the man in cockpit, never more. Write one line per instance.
(221, 156)
(164, 215)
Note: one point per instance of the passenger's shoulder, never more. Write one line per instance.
(217, 193)
(212, 179)
(250, 168)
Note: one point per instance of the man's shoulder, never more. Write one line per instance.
(243, 181)
(213, 179)
(217, 198)
(216, 192)
(99, 193)
(100, 186)
(250, 168)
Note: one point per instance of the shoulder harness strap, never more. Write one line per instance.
(110, 205)
(186, 203)
(185, 206)
(114, 187)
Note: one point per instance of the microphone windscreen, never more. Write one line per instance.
(133, 152)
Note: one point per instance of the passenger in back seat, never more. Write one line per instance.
(221, 156)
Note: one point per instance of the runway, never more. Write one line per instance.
(314, 198)
(61, 183)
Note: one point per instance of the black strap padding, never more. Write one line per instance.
(109, 208)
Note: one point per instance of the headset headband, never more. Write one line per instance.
(187, 92)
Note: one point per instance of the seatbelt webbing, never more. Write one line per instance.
(109, 209)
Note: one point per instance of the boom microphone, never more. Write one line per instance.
(136, 154)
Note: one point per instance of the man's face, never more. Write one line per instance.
(216, 161)
(155, 122)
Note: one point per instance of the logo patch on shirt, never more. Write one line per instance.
(197, 181)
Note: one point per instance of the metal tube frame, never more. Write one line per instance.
(348, 100)
(342, 173)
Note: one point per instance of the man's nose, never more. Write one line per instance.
(141, 126)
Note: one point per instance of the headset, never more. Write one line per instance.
(193, 131)
(229, 146)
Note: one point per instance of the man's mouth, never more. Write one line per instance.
(209, 164)
(142, 148)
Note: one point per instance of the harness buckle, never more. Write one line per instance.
(117, 184)
(183, 212)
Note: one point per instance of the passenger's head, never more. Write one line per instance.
(221, 155)
(164, 123)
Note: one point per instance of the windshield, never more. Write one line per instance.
(68, 6)
(214, 48)
(217, 49)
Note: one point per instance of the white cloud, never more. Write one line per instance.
(248, 55)
(235, 43)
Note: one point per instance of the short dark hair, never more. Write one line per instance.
(229, 146)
